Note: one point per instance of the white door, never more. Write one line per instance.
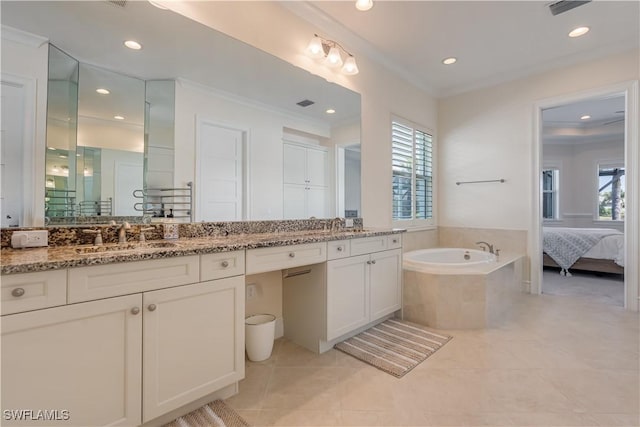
(347, 295)
(219, 177)
(11, 157)
(85, 358)
(385, 286)
(193, 342)
(294, 164)
(317, 167)
(295, 201)
(316, 202)
(127, 179)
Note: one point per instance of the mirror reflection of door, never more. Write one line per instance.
(13, 101)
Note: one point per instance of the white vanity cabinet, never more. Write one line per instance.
(193, 343)
(125, 360)
(362, 289)
(81, 358)
(359, 284)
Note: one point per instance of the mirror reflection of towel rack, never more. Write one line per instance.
(159, 202)
(501, 180)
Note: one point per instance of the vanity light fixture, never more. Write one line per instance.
(332, 52)
(585, 117)
(577, 32)
(103, 91)
(118, 117)
(364, 5)
(132, 44)
(449, 61)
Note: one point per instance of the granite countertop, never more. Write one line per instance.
(58, 257)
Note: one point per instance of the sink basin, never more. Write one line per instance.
(123, 247)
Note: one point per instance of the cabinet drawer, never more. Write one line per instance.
(221, 265)
(367, 245)
(278, 258)
(104, 281)
(338, 249)
(394, 241)
(32, 291)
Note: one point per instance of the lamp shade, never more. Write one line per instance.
(350, 67)
(334, 59)
(315, 49)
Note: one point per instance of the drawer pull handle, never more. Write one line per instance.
(224, 264)
(292, 254)
(17, 292)
(135, 310)
(152, 307)
(339, 249)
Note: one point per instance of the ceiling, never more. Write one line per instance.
(494, 41)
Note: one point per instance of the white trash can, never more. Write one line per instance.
(259, 333)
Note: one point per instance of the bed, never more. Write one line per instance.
(590, 249)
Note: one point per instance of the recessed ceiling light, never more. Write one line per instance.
(102, 91)
(364, 5)
(118, 117)
(449, 61)
(132, 44)
(585, 117)
(580, 31)
(330, 111)
(62, 156)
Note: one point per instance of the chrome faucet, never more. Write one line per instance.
(122, 232)
(488, 246)
(336, 224)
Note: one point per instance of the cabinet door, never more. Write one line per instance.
(193, 342)
(294, 164)
(316, 202)
(347, 295)
(317, 167)
(385, 289)
(295, 200)
(83, 358)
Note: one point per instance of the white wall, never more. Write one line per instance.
(578, 181)
(276, 30)
(488, 133)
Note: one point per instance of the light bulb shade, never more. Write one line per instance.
(350, 67)
(334, 60)
(364, 5)
(315, 49)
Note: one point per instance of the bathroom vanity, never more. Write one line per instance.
(124, 337)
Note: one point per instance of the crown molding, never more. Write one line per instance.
(23, 37)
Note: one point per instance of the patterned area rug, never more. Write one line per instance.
(214, 414)
(394, 346)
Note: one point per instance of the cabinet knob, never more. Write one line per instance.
(373, 262)
(292, 254)
(17, 292)
(135, 310)
(368, 262)
(152, 307)
(224, 264)
(395, 240)
(339, 249)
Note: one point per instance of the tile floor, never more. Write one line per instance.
(558, 361)
(604, 288)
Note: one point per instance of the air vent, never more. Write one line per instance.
(305, 103)
(563, 6)
(119, 3)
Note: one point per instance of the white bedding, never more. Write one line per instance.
(610, 247)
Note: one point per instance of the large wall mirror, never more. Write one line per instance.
(218, 117)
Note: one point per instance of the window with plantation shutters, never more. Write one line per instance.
(412, 162)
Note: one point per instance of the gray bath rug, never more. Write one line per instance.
(214, 414)
(394, 346)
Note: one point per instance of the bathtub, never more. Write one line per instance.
(457, 288)
(446, 259)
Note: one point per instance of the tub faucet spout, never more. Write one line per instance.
(488, 246)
